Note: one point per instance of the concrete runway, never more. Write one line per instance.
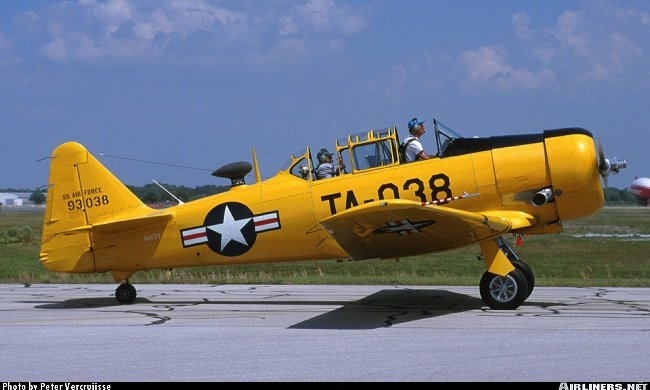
(321, 333)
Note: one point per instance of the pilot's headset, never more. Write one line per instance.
(323, 155)
(415, 124)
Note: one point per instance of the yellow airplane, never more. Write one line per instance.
(472, 191)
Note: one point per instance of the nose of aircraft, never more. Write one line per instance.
(575, 173)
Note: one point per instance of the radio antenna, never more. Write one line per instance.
(170, 194)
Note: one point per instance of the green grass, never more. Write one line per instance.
(557, 259)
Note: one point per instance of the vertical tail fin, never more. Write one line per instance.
(81, 192)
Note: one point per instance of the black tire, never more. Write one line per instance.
(125, 293)
(504, 292)
(528, 273)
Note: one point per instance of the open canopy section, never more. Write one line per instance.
(364, 151)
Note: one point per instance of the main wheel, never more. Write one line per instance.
(504, 292)
(528, 273)
(125, 293)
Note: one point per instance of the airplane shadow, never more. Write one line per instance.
(84, 303)
(382, 309)
(386, 308)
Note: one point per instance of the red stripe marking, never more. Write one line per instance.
(266, 221)
(195, 235)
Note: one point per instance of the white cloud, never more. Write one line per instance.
(88, 30)
(194, 16)
(487, 67)
(110, 12)
(520, 23)
(56, 50)
(321, 16)
(485, 63)
(316, 13)
(644, 17)
(93, 29)
(570, 33)
(598, 42)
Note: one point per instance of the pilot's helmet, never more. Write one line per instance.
(415, 122)
(323, 155)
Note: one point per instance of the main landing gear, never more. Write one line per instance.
(125, 293)
(510, 291)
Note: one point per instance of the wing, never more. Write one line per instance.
(397, 227)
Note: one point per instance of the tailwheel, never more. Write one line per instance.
(504, 292)
(125, 293)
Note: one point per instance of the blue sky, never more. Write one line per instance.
(200, 83)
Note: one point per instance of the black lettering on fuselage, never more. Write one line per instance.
(435, 189)
(350, 200)
(413, 187)
(419, 190)
(331, 198)
(384, 187)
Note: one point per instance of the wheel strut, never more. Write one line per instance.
(518, 263)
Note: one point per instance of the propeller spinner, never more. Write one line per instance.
(605, 166)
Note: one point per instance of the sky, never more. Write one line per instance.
(200, 83)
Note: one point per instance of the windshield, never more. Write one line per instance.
(444, 136)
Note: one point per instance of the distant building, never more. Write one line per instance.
(9, 199)
(17, 199)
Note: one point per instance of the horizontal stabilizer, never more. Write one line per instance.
(120, 225)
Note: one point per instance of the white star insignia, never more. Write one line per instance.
(230, 229)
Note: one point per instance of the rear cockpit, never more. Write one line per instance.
(359, 152)
(366, 151)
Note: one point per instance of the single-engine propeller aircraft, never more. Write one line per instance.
(473, 191)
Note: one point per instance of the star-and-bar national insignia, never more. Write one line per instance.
(230, 229)
(404, 227)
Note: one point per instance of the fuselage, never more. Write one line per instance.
(279, 219)
(503, 171)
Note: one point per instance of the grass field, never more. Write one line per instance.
(611, 248)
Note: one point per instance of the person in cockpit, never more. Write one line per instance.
(413, 149)
(326, 167)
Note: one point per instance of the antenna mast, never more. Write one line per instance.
(170, 194)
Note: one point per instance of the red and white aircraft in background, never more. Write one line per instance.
(640, 188)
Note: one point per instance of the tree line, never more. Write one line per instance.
(153, 194)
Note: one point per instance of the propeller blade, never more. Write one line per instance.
(603, 164)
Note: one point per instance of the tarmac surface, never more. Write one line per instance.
(209, 333)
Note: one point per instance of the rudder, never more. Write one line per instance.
(81, 192)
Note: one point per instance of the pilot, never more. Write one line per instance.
(413, 147)
(326, 168)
